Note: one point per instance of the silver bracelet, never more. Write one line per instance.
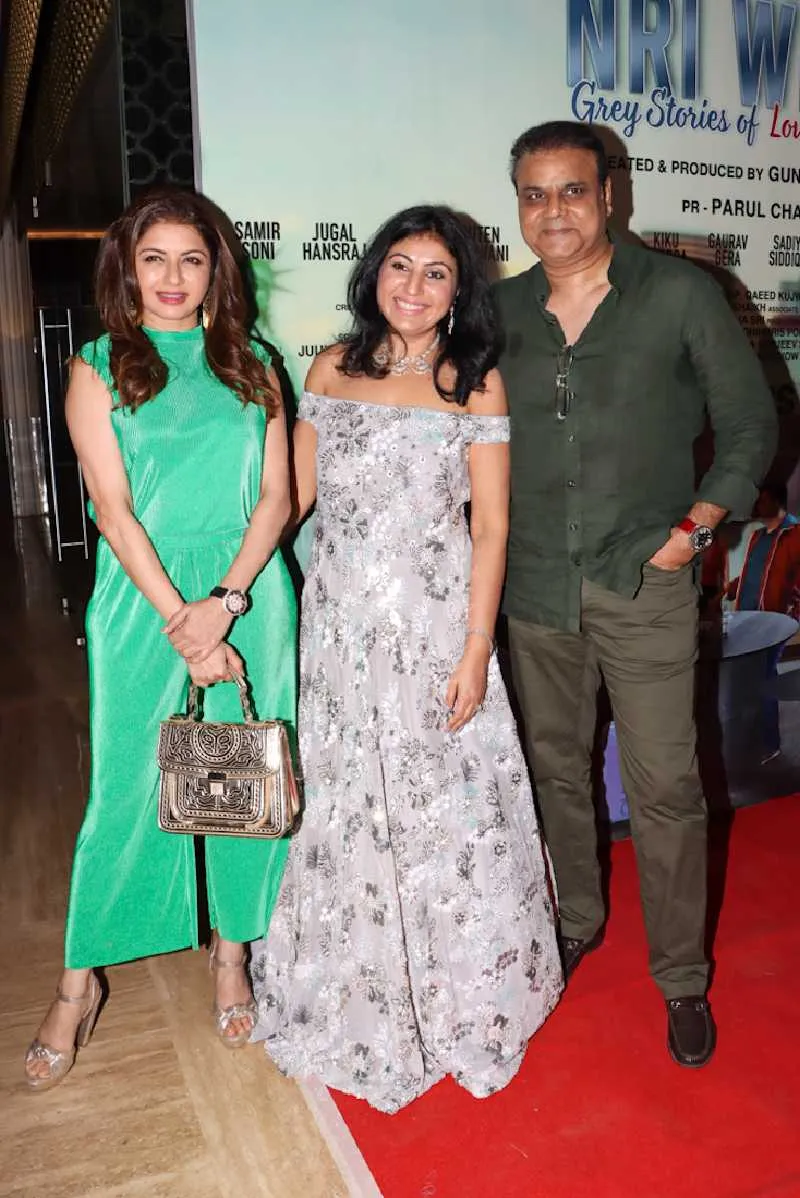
(482, 632)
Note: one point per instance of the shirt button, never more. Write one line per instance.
(573, 527)
(570, 482)
(571, 438)
(576, 559)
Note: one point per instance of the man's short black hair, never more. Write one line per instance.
(559, 135)
(777, 489)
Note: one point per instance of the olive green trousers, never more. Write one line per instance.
(646, 649)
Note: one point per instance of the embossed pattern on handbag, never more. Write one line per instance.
(220, 779)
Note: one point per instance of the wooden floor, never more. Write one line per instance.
(155, 1107)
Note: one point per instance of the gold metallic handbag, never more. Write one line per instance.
(226, 779)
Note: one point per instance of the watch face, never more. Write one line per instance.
(235, 602)
(702, 538)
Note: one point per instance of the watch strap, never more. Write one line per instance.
(688, 525)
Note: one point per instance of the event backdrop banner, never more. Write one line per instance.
(317, 121)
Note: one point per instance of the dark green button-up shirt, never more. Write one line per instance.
(594, 495)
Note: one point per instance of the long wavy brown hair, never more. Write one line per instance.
(137, 368)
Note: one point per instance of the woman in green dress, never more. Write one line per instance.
(177, 423)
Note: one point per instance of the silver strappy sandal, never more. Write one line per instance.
(224, 1016)
(60, 1062)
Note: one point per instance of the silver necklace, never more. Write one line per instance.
(410, 363)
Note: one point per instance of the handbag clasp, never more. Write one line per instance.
(216, 780)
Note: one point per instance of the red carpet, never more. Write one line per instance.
(598, 1109)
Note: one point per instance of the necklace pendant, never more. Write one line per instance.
(414, 363)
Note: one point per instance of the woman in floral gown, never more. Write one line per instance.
(414, 935)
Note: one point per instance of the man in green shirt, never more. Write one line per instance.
(614, 357)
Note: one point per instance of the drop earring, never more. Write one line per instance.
(205, 319)
(452, 319)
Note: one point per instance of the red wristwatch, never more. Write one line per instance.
(701, 537)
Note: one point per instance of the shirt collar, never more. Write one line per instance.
(619, 271)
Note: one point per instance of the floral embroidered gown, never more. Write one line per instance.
(414, 934)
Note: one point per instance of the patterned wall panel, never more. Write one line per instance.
(157, 109)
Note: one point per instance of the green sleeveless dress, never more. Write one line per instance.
(194, 458)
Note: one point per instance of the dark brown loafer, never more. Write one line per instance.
(573, 951)
(691, 1031)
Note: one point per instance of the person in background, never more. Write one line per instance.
(756, 567)
(614, 356)
(177, 422)
(760, 571)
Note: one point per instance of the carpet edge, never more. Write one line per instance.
(339, 1139)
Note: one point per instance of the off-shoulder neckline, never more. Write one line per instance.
(403, 407)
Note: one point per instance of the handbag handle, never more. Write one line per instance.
(193, 705)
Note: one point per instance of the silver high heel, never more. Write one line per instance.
(58, 1061)
(224, 1016)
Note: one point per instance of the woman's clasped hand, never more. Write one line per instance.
(196, 629)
